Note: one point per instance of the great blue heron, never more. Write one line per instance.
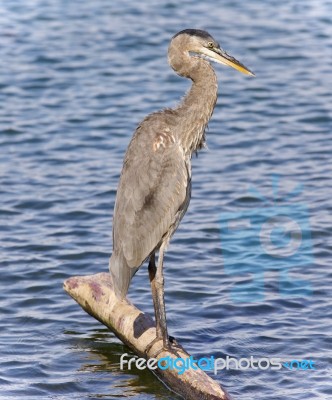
(155, 183)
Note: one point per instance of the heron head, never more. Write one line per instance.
(202, 43)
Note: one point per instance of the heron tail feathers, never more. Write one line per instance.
(121, 275)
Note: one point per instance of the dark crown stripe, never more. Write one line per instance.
(194, 32)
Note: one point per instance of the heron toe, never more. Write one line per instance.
(170, 346)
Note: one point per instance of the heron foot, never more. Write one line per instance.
(170, 346)
(151, 344)
(174, 346)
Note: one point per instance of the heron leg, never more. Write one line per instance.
(152, 275)
(159, 278)
(157, 288)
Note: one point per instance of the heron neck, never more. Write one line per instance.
(196, 108)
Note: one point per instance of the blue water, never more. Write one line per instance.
(75, 79)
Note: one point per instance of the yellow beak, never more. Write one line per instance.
(220, 56)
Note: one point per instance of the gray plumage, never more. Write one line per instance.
(155, 184)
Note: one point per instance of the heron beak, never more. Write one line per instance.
(220, 56)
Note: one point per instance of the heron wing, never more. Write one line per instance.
(152, 196)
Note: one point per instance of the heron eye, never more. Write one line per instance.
(210, 45)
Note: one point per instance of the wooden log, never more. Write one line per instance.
(94, 293)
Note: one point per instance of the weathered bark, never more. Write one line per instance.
(137, 330)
